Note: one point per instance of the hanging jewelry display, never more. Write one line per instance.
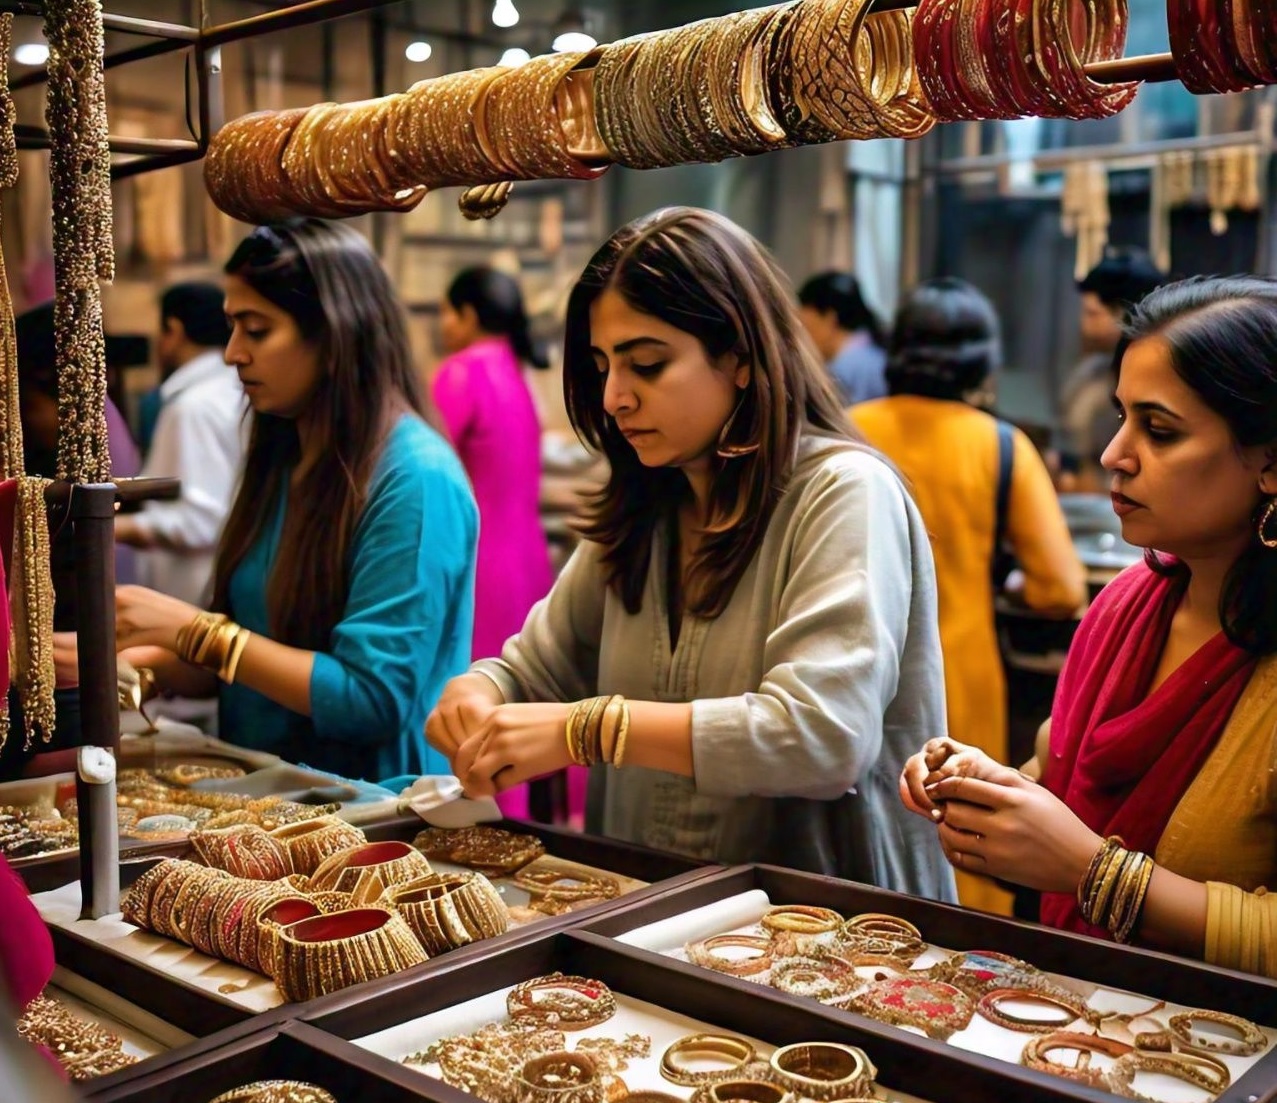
(1084, 204)
(80, 172)
(30, 583)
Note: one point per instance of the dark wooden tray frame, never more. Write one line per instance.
(906, 1062)
(199, 1014)
(1162, 976)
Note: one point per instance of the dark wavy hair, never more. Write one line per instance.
(840, 292)
(1123, 277)
(497, 303)
(704, 275)
(1222, 334)
(945, 342)
(328, 279)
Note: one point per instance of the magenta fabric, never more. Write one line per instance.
(1121, 757)
(26, 950)
(492, 421)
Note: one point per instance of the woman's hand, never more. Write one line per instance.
(464, 706)
(1014, 830)
(944, 758)
(144, 616)
(515, 744)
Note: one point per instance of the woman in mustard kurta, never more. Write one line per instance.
(944, 346)
(1155, 818)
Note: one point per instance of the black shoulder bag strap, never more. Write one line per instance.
(1006, 457)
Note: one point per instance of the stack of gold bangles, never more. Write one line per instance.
(215, 642)
(447, 910)
(596, 730)
(1112, 892)
(276, 1091)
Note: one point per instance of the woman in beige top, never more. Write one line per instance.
(1156, 815)
(754, 579)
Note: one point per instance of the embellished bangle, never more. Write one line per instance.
(736, 1053)
(1074, 1006)
(828, 979)
(367, 871)
(740, 1091)
(935, 1008)
(324, 954)
(308, 843)
(801, 919)
(490, 850)
(823, 1071)
(979, 971)
(1207, 1073)
(1250, 1039)
(705, 953)
(874, 932)
(559, 1078)
(276, 1091)
(447, 910)
(1037, 1055)
(562, 1002)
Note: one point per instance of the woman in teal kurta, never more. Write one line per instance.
(346, 568)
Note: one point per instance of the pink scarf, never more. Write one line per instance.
(1122, 757)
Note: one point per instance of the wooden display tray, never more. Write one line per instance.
(288, 1051)
(1145, 972)
(195, 1011)
(906, 1062)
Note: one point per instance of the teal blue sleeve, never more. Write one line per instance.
(409, 616)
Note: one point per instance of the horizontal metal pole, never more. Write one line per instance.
(149, 28)
(157, 48)
(1153, 68)
(286, 19)
(36, 137)
(135, 166)
(150, 489)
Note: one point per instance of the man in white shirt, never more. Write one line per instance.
(199, 438)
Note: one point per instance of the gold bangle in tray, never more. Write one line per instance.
(864, 931)
(801, 919)
(736, 1053)
(935, 1008)
(1037, 1055)
(447, 910)
(562, 1002)
(1207, 1073)
(559, 1078)
(308, 843)
(1250, 1038)
(705, 954)
(366, 871)
(823, 1070)
(490, 850)
(828, 979)
(315, 957)
(276, 1091)
(1074, 1006)
(740, 1091)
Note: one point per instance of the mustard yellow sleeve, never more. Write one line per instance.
(1241, 929)
(1054, 581)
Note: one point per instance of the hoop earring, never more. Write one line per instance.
(736, 451)
(1270, 511)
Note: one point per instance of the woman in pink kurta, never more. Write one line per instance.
(492, 420)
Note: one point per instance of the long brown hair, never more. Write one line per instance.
(703, 274)
(327, 278)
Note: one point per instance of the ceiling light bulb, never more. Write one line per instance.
(514, 57)
(418, 51)
(31, 53)
(504, 13)
(570, 41)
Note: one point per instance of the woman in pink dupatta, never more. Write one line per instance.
(492, 421)
(1163, 735)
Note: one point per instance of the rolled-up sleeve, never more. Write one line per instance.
(556, 655)
(409, 602)
(831, 665)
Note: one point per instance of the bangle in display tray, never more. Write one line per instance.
(369, 870)
(1249, 1038)
(979, 971)
(827, 979)
(321, 955)
(491, 851)
(801, 919)
(990, 1008)
(1207, 1073)
(823, 1071)
(1037, 1055)
(447, 910)
(309, 842)
(741, 1091)
(562, 1002)
(559, 1078)
(244, 851)
(736, 1053)
(886, 935)
(276, 1091)
(705, 953)
(937, 1009)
